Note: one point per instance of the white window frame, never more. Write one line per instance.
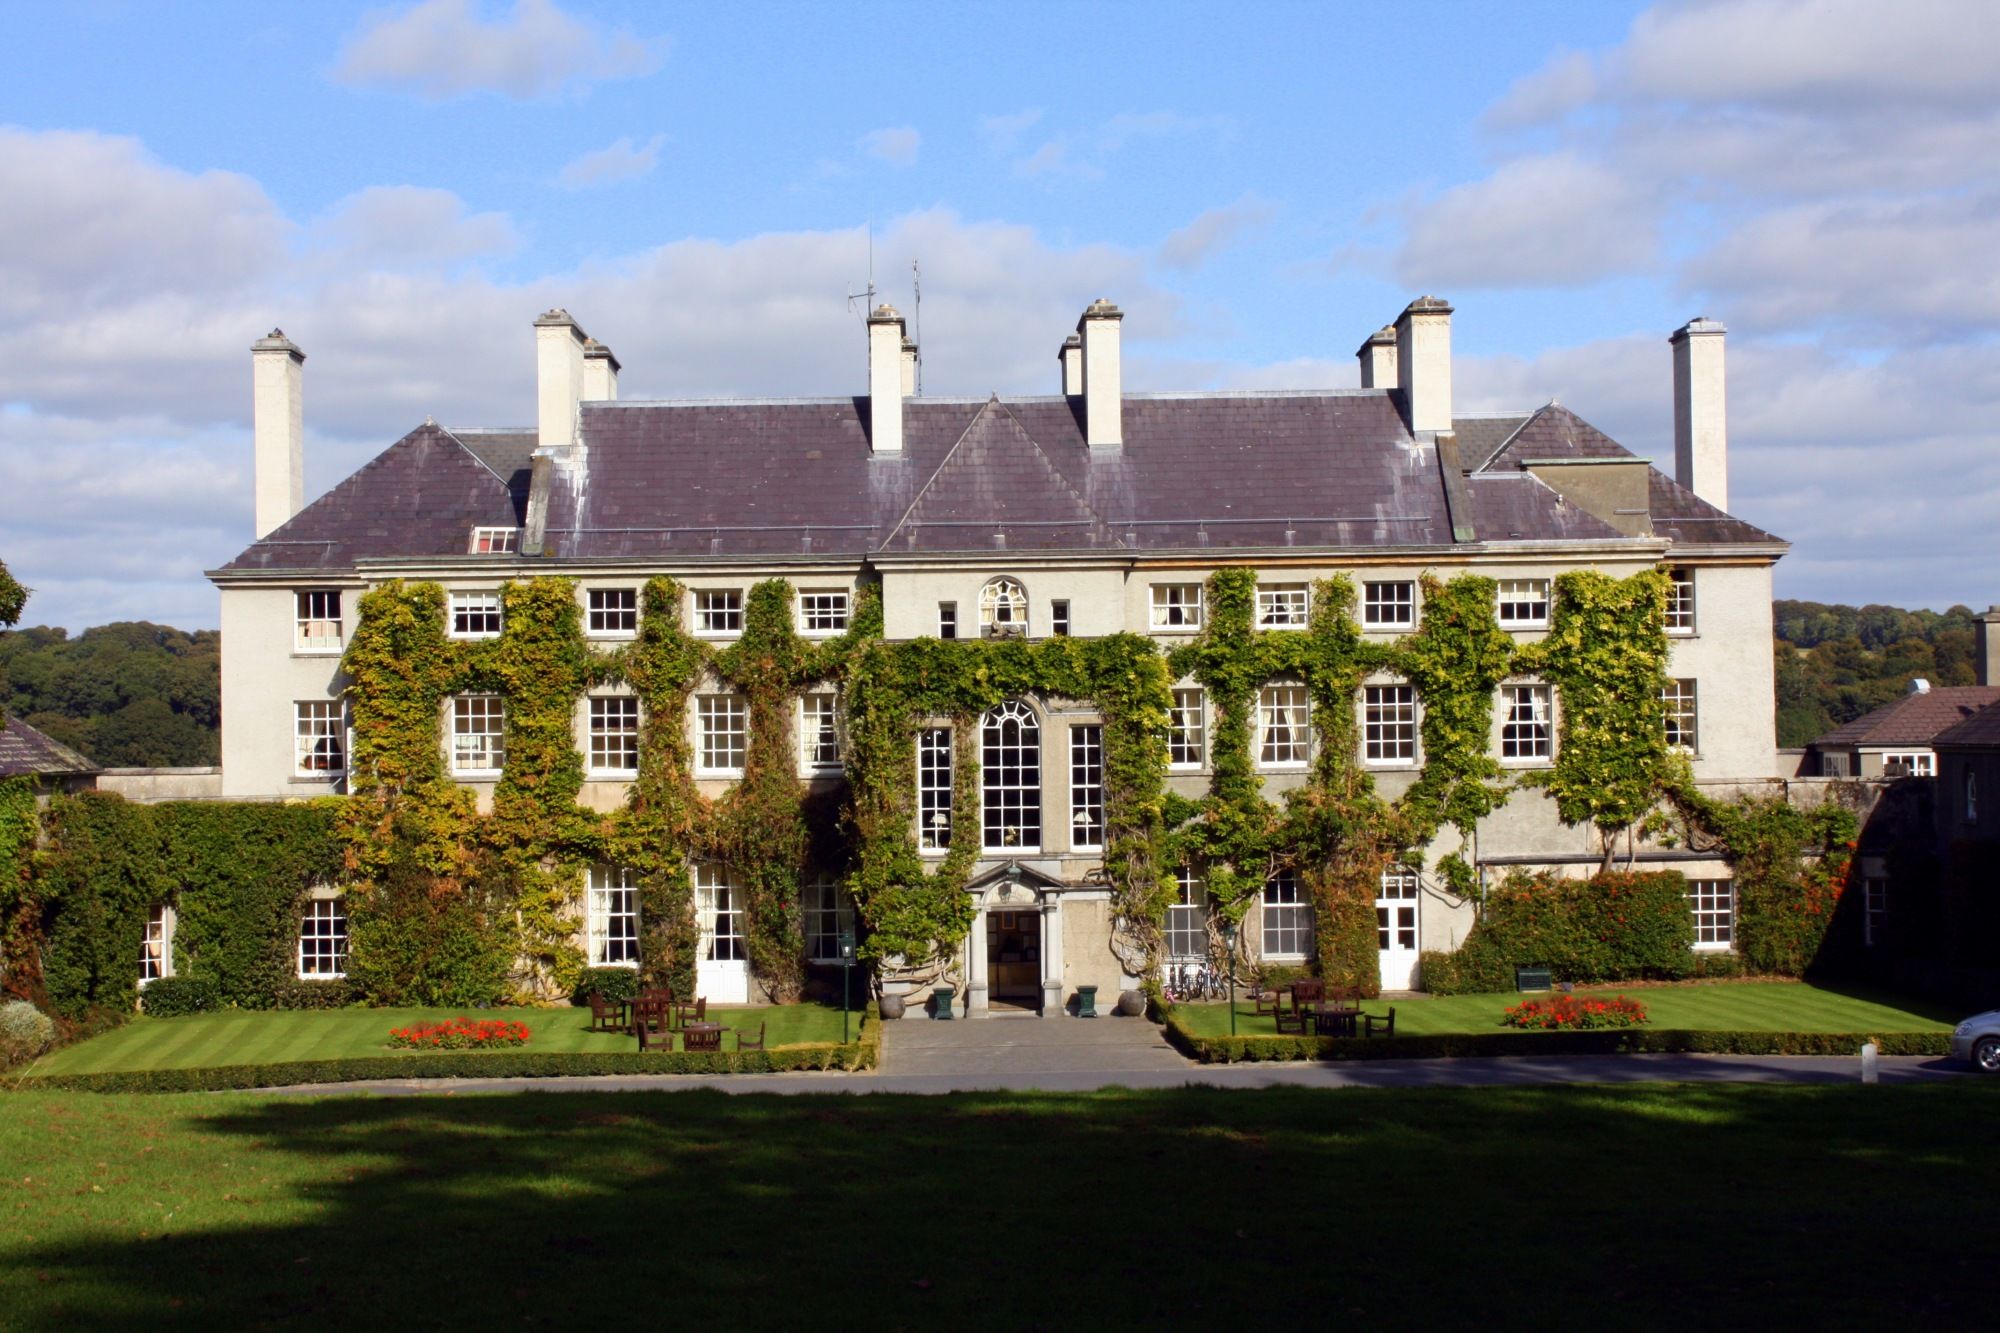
(819, 732)
(1398, 885)
(1176, 608)
(1286, 916)
(721, 734)
(1527, 737)
(1086, 787)
(611, 613)
(1284, 727)
(1913, 763)
(492, 541)
(314, 723)
(1284, 605)
(1680, 708)
(1522, 603)
(474, 615)
(317, 626)
(718, 613)
(823, 612)
(1010, 779)
(1680, 601)
(478, 751)
(156, 946)
(615, 721)
(1185, 939)
(948, 620)
(611, 917)
(1003, 608)
(1389, 725)
(719, 904)
(323, 940)
(828, 914)
(1389, 604)
(1059, 621)
(1713, 905)
(1187, 731)
(934, 790)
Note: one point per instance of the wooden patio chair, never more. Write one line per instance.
(1307, 992)
(1293, 1020)
(1369, 1022)
(652, 1022)
(701, 1039)
(606, 1015)
(744, 1043)
(1267, 1001)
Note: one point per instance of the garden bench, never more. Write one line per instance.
(1369, 1022)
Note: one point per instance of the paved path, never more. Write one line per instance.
(1079, 1055)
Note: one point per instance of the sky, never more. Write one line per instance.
(403, 189)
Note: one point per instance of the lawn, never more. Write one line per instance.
(240, 1037)
(1754, 1006)
(1845, 1206)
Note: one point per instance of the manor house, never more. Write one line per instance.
(1088, 511)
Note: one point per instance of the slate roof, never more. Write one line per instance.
(1914, 719)
(25, 752)
(1981, 729)
(785, 477)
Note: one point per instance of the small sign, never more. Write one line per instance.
(846, 946)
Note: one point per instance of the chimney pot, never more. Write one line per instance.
(1423, 363)
(1377, 355)
(277, 409)
(1070, 358)
(1701, 417)
(600, 372)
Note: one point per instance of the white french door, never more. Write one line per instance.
(1396, 928)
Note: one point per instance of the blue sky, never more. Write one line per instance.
(404, 188)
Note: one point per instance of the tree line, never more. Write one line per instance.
(1835, 663)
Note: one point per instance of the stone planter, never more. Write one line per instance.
(891, 1006)
(1132, 1003)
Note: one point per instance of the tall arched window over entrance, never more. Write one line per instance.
(1003, 608)
(1011, 778)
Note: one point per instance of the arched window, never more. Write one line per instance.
(1011, 778)
(1003, 608)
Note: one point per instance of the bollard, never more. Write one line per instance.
(1870, 1055)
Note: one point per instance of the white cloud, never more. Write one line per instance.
(1003, 133)
(1551, 221)
(618, 161)
(1212, 230)
(442, 49)
(1080, 153)
(898, 147)
(395, 225)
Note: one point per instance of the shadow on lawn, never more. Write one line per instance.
(1052, 1211)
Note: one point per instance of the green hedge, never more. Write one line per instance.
(1615, 927)
(617, 984)
(865, 1052)
(171, 997)
(1625, 1041)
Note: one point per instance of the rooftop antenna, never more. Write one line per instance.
(917, 319)
(868, 296)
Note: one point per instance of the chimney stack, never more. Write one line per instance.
(885, 380)
(1070, 357)
(277, 407)
(1103, 378)
(909, 367)
(1377, 355)
(1701, 418)
(600, 373)
(558, 378)
(1986, 646)
(1423, 363)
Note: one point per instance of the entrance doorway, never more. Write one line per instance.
(1396, 928)
(1014, 959)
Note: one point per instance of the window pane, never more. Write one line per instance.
(718, 611)
(1282, 725)
(319, 739)
(1389, 724)
(1287, 918)
(1177, 606)
(613, 917)
(318, 623)
(614, 735)
(820, 736)
(934, 788)
(724, 724)
(1524, 602)
(1678, 705)
(827, 915)
(323, 939)
(1713, 902)
(1187, 919)
(1003, 607)
(1186, 738)
(1680, 602)
(823, 612)
(614, 610)
(477, 729)
(1525, 733)
(720, 908)
(153, 962)
(1086, 786)
(1389, 605)
(1282, 605)
(475, 615)
(1011, 778)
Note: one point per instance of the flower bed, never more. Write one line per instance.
(460, 1034)
(1570, 1013)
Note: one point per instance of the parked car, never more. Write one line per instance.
(1978, 1039)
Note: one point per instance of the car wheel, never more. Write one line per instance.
(1986, 1054)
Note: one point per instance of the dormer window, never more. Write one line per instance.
(1003, 609)
(493, 541)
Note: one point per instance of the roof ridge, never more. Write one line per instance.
(1513, 435)
(471, 453)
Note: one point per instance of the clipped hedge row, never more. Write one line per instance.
(1625, 1041)
(1621, 926)
(865, 1052)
